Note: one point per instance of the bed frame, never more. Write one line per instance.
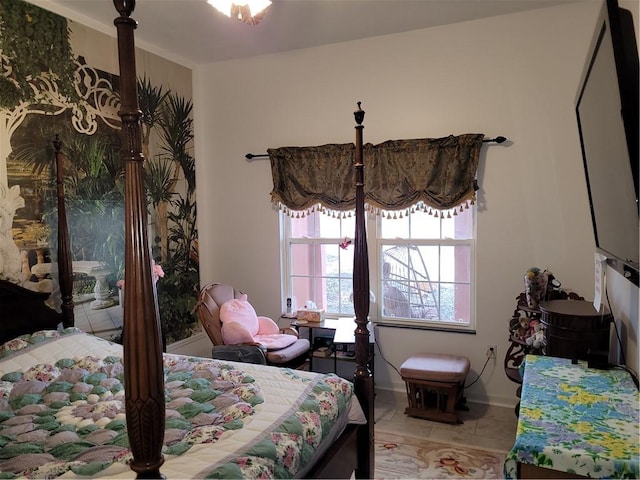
(144, 396)
(142, 339)
(25, 311)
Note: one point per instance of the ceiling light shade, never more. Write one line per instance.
(248, 11)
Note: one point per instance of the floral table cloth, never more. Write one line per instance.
(576, 419)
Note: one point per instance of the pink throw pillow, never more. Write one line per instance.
(240, 310)
(233, 333)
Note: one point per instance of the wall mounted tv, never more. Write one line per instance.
(607, 114)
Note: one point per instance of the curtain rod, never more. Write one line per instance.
(251, 156)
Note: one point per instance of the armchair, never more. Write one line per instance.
(239, 334)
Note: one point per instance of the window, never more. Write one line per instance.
(316, 267)
(421, 266)
(426, 266)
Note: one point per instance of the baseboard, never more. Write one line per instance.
(197, 345)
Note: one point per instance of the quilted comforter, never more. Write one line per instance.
(62, 413)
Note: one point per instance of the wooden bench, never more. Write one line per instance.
(435, 385)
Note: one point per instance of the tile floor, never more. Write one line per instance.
(484, 426)
(104, 322)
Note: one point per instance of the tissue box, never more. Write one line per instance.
(311, 315)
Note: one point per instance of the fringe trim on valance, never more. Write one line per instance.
(388, 214)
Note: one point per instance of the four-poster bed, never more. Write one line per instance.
(152, 379)
(26, 310)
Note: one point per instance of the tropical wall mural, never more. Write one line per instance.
(58, 79)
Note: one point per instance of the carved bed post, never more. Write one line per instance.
(65, 269)
(143, 369)
(362, 378)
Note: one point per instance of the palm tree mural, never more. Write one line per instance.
(176, 133)
(168, 117)
(150, 101)
(175, 214)
(93, 176)
(94, 170)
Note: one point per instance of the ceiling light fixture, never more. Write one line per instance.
(247, 11)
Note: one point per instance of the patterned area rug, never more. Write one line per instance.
(398, 456)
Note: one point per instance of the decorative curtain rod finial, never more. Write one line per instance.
(499, 139)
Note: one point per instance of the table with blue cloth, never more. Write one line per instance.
(575, 421)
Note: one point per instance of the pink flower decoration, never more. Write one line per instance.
(157, 273)
(345, 243)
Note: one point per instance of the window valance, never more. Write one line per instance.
(437, 173)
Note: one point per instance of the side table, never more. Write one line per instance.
(575, 422)
(343, 330)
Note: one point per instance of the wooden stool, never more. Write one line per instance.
(435, 384)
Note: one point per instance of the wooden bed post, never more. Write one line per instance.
(65, 269)
(143, 367)
(362, 378)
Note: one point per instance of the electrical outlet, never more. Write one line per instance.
(492, 351)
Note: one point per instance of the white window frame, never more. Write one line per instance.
(285, 260)
(375, 251)
(426, 323)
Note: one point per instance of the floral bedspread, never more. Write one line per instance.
(576, 419)
(66, 417)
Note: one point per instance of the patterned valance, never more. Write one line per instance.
(437, 173)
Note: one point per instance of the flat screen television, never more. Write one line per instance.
(607, 114)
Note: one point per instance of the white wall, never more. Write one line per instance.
(514, 75)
